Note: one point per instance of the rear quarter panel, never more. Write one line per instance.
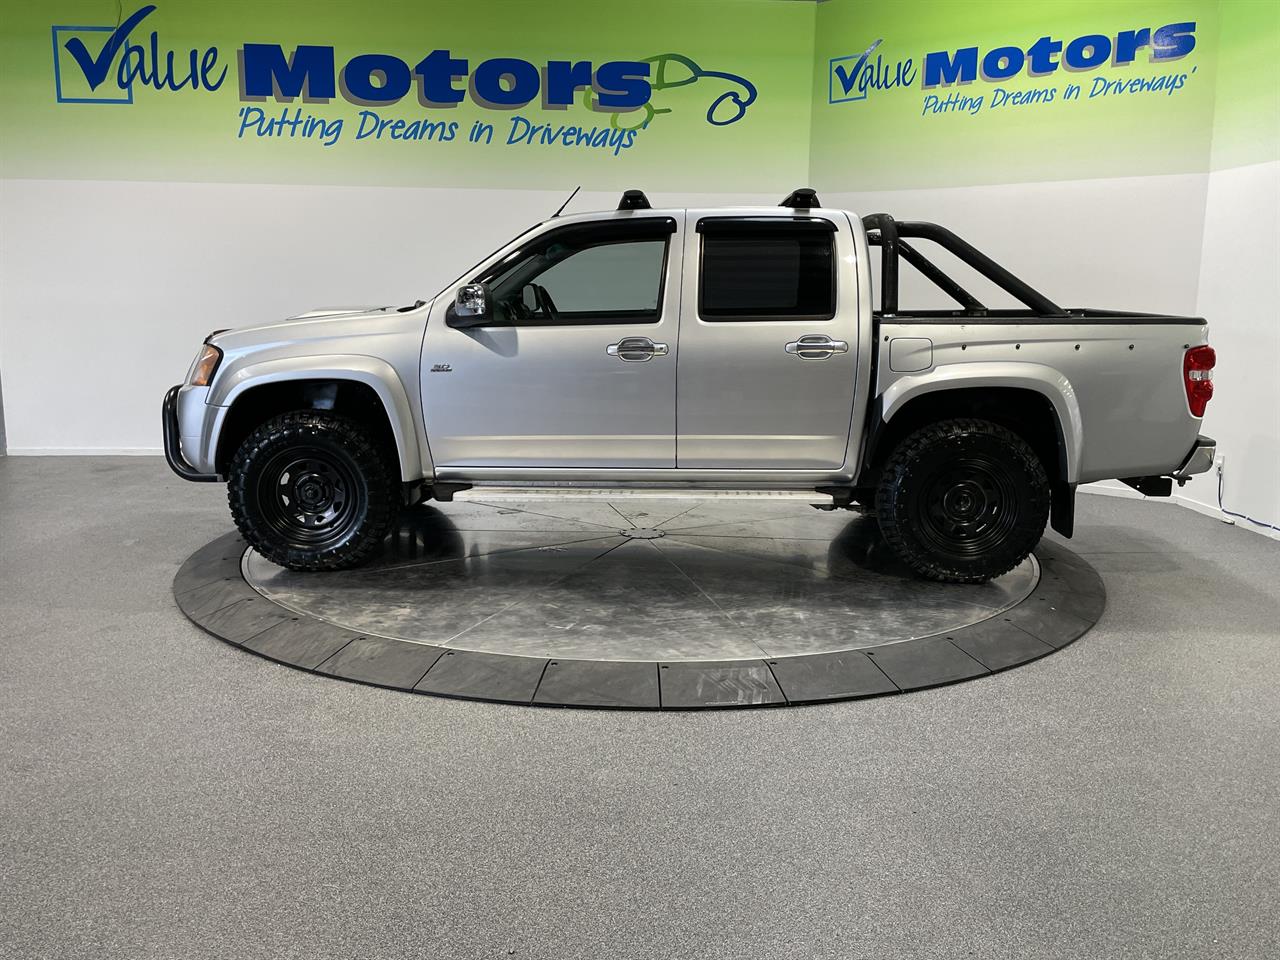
(1117, 385)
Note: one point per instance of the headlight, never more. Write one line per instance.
(206, 366)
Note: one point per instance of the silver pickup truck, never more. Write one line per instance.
(715, 352)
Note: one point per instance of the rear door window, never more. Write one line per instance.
(767, 269)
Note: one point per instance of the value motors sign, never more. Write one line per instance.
(111, 65)
(971, 79)
(108, 72)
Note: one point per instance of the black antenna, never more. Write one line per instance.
(566, 203)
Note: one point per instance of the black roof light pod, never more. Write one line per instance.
(633, 200)
(803, 199)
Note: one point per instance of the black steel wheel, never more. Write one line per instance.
(311, 491)
(963, 501)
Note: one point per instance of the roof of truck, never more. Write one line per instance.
(801, 202)
(753, 212)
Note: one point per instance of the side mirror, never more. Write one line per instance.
(471, 307)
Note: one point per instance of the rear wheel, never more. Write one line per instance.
(963, 501)
(312, 491)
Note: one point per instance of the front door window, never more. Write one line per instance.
(584, 276)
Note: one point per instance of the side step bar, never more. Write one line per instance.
(485, 493)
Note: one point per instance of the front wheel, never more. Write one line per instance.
(963, 501)
(310, 490)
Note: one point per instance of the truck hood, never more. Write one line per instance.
(324, 323)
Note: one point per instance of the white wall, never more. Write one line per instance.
(108, 287)
(1240, 294)
(1128, 244)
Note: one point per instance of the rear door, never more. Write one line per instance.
(768, 342)
(578, 367)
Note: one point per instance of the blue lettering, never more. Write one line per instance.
(564, 79)
(250, 117)
(490, 90)
(368, 124)
(943, 69)
(621, 140)
(275, 71)
(1168, 84)
(1129, 42)
(308, 73)
(95, 68)
(160, 72)
(207, 63)
(436, 73)
(293, 125)
(1002, 63)
(1173, 41)
(1084, 53)
(1041, 55)
(520, 128)
(623, 85)
(358, 74)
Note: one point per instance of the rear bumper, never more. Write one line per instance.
(173, 442)
(1199, 460)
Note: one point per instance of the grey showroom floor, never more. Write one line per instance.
(164, 794)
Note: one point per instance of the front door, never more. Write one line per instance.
(578, 368)
(769, 343)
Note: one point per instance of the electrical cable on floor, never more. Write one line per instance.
(1242, 516)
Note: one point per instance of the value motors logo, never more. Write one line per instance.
(850, 78)
(99, 64)
(104, 64)
(854, 77)
(110, 64)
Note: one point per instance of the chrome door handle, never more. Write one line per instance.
(636, 349)
(816, 347)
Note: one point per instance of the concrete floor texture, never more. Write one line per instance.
(167, 795)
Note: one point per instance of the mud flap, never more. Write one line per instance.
(1062, 511)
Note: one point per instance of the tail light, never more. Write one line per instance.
(1197, 377)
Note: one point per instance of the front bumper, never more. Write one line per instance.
(173, 442)
(1199, 460)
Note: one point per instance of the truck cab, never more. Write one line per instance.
(643, 342)
(702, 352)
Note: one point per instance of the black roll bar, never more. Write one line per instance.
(889, 234)
(887, 228)
(944, 282)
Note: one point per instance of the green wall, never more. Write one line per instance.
(192, 134)
(1225, 89)
(1216, 105)
(1246, 113)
